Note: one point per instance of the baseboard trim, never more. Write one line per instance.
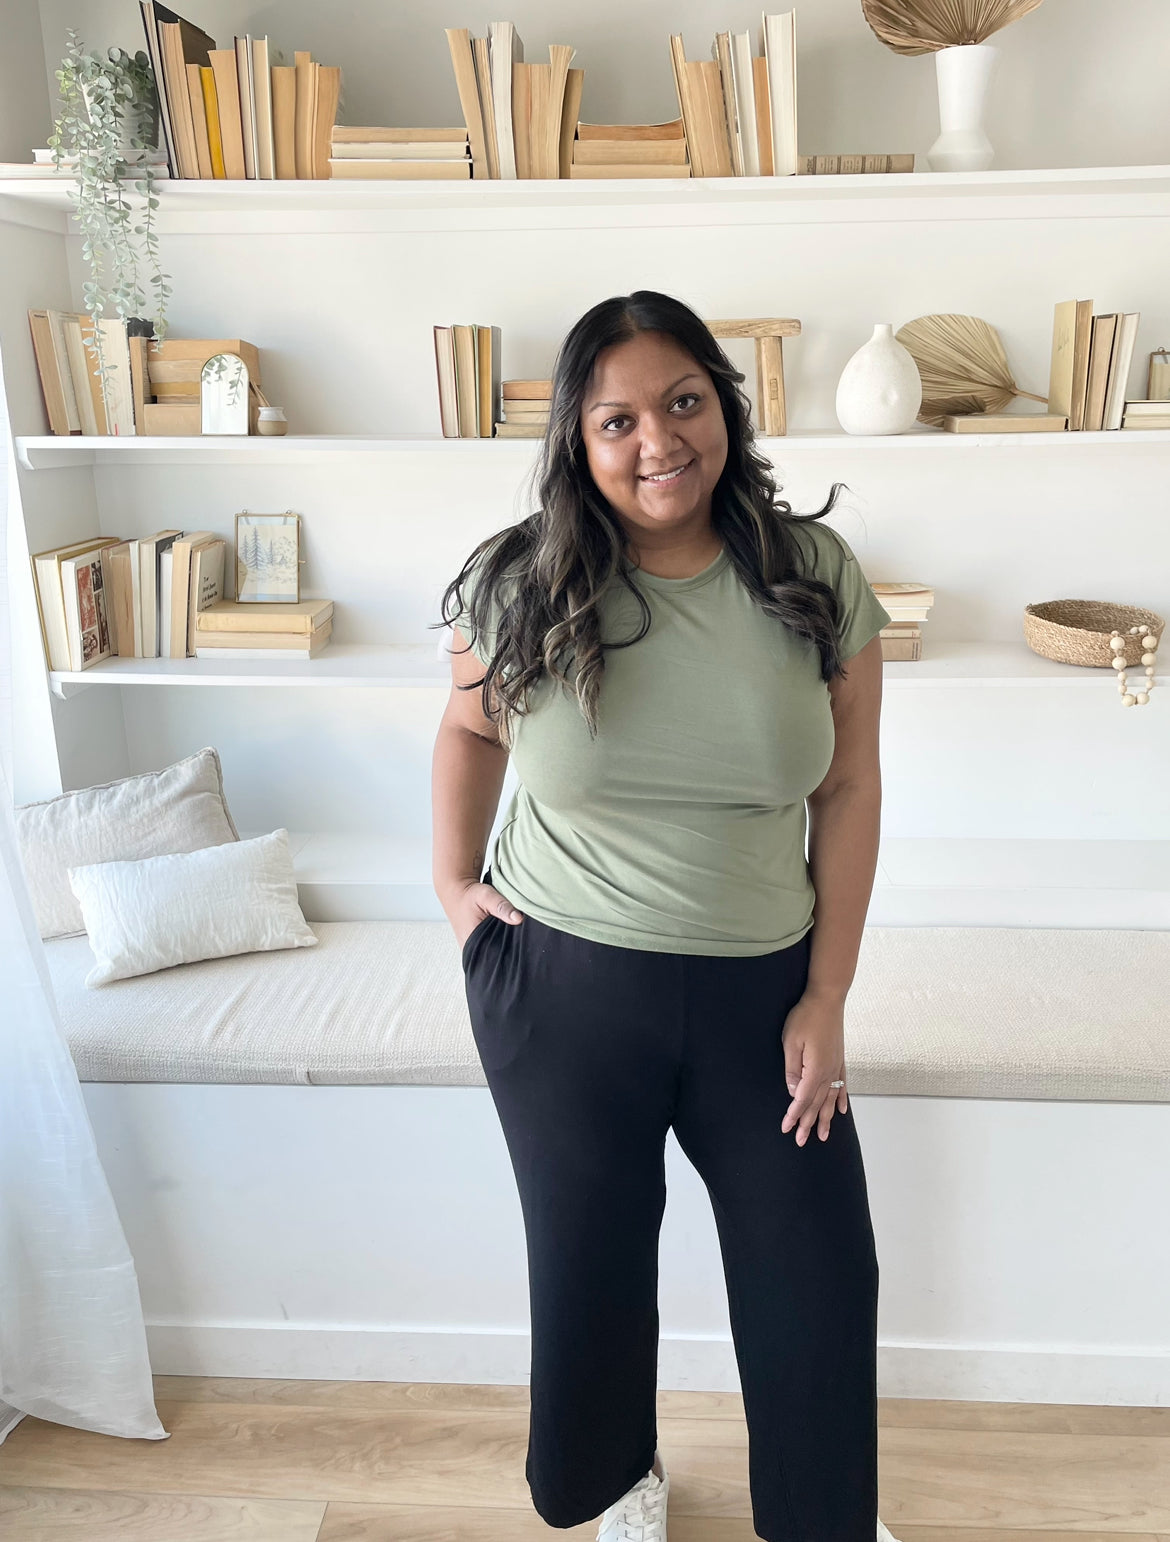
(966, 1373)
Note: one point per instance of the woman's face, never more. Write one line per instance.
(650, 407)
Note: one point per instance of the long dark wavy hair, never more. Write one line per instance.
(542, 578)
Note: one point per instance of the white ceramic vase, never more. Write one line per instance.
(963, 73)
(880, 390)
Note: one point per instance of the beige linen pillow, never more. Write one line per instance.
(240, 897)
(180, 808)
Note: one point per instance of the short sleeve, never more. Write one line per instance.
(862, 614)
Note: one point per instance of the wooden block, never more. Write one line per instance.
(173, 418)
(199, 349)
(769, 333)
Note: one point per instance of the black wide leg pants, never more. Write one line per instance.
(591, 1053)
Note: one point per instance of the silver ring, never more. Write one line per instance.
(836, 1084)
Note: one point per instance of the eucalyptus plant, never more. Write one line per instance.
(110, 106)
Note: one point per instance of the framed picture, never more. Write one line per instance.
(268, 557)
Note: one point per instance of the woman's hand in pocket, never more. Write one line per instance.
(480, 900)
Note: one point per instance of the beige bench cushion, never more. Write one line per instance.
(978, 1012)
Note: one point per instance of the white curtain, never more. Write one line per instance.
(72, 1337)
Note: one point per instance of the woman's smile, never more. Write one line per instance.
(666, 478)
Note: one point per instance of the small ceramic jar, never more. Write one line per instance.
(271, 420)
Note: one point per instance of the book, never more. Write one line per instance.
(262, 105)
(119, 589)
(482, 62)
(279, 616)
(445, 376)
(467, 85)
(466, 380)
(87, 630)
(412, 148)
(852, 165)
(263, 646)
(306, 111)
(93, 383)
(211, 112)
(50, 595)
(181, 43)
(526, 390)
(505, 48)
(699, 86)
(284, 108)
(629, 169)
(151, 550)
(173, 642)
(194, 73)
(399, 170)
(53, 368)
(778, 46)
(1104, 332)
(325, 104)
(244, 83)
(488, 344)
(1119, 366)
(1005, 423)
(80, 366)
(208, 570)
(227, 96)
(1068, 373)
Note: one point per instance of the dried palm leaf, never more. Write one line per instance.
(963, 366)
(925, 26)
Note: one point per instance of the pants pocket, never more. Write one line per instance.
(465, 952)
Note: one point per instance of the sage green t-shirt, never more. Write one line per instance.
(681, 828)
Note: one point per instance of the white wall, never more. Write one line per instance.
(1079, 83)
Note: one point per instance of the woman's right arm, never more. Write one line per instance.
(467, 775)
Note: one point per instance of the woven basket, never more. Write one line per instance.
(1077, 631)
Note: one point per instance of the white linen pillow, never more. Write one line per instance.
(180, 808)
(240, 897)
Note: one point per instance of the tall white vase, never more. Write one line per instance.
(963, 74)
(880, 390)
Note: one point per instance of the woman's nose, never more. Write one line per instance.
(658, 435)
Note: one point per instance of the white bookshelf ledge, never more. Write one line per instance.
(204, 206)
(37, 452)
(412, 666)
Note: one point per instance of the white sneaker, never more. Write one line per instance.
(884, 1534)
(640, 1515)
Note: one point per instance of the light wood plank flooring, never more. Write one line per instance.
(341, 1461)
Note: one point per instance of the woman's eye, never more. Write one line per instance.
(687, 396)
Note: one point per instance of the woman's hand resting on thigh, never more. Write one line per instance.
(814, 1056)
(477, 901)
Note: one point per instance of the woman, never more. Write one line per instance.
(660, 648)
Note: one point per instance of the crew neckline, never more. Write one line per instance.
(676, 585)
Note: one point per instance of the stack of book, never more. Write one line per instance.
(520, 117)
(467, 364)
(740, 111)
(77, 399)
(1146, 414)
(238, 112)
(525, 406)
(630, 150)
(400, 152)
(266, 630)
(1089, 372)
(909, 606)
(130, 598)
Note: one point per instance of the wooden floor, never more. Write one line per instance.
(321, 1461)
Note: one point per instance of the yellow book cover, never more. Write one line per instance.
(211, 107)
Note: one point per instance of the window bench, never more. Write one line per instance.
(314, 1183)
(969, 1012)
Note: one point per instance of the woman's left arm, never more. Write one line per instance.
(844, 826)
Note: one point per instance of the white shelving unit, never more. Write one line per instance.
(1003, 782)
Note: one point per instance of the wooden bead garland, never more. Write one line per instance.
(1149, 656)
